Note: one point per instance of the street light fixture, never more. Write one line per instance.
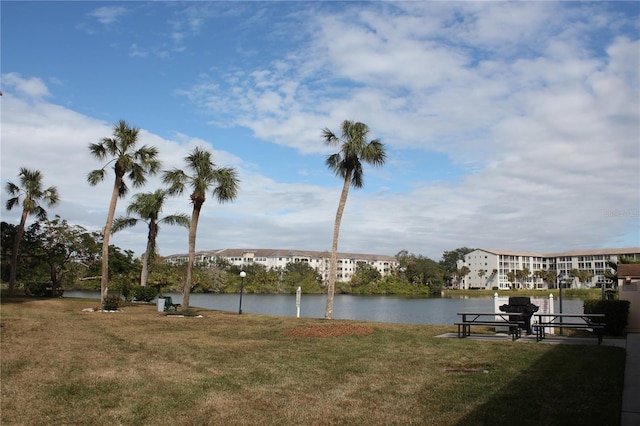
(561, 284)
(242, 275)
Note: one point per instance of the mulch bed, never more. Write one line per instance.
(329, 330)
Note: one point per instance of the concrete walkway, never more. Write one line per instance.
(631, 388)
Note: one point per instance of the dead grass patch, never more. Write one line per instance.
(60, 365)
(329, 330)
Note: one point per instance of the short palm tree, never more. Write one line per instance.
(205, 177)
(31, 189)
(148, 207)
(136, 164)
(347, 164)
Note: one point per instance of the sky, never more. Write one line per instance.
(507, 125)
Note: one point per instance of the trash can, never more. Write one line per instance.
(160, 303)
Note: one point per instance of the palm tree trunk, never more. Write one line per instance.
(104, 279)
(193, 228)
(145, 268)
(151, 236)
(53, 275)
(333, 264)
(14, 254)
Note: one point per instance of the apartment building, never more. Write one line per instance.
(491, 268)
(279, 258)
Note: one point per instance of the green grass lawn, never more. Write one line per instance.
(138, 367)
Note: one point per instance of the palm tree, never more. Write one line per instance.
(148, 207)
(481, 274)
(205, 177)
(463, 272)
(347, 164)
(135, 164)
(31, 188)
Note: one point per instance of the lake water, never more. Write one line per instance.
(435, 311)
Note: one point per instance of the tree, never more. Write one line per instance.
(481, 273)
(301, 274)
(136, 164)
(522, 275)
(463, 272)
(549, 276)
(347, 164)
(148, 207)
(32, 194)
(365, 274)
(64, 248)
(582, 275)
(450, 260)
(223, 184)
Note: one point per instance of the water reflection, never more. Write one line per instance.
(437, 311)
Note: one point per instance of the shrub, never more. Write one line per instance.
(111, 303)
(37, 289)
(616, 314)
(146, 293)
(124, 284)
(42, 289)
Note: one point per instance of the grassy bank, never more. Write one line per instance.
(584, 294)
(64, 366)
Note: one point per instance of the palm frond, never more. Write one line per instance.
(98, 150)
(123, 189)
(180, 219)
(12, 202)
(123, 222)
(227, 188)
(175, 179)
(12, 188)
(96, 176)
(39, 212)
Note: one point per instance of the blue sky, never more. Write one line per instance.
(507, 125)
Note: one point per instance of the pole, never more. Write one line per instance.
(560, 305)
(298, 295)
(242, 275)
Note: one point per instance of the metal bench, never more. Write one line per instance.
(514, 321)
(593, 322)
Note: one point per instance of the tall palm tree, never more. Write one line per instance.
(31, 189)
(205, 177)
(148, 207)
(136, 164)
(347, 164)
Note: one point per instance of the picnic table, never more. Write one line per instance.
(594, 322)
(515, 321)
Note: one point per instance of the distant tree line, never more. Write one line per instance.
(55, 255)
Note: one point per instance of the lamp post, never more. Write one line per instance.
(561, 284)
(242, 275)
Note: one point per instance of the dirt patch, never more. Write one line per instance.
(329, 330)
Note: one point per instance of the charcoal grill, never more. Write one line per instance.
(521, 305)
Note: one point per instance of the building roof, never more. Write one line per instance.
(631, 270)
(592, 252)
(241, 252)
(514, 253)
(570, 253)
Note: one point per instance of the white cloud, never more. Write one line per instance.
(107, 15)
(544, 127)
(32, 87)
(550, 128)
